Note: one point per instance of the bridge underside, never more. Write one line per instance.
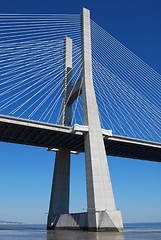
(40, 134)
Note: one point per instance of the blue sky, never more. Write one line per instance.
(26, 172)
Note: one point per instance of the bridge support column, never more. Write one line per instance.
(102, 213)
(59, 202)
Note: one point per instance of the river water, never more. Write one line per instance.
(139, 231)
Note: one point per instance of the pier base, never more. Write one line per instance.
(106, 221)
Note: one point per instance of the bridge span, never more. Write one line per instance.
(51, 136)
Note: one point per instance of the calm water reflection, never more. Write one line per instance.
(144, 231)
(75, 235)
(80, 235)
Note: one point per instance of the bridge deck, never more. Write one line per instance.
(34, 133)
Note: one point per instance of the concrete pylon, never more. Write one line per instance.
(59, 202)
(102, 213)
(67, 83)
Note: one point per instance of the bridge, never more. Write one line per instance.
(52, 136)
(68, 68)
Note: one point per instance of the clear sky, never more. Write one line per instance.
(26, 172)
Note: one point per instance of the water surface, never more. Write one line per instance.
(142, 231)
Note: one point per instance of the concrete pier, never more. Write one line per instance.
(59, 202)
(80, 221)
(101, 212)
(99, 190)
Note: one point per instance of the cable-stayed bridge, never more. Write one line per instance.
(66, 84)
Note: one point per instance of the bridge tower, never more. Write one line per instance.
(101, 213)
